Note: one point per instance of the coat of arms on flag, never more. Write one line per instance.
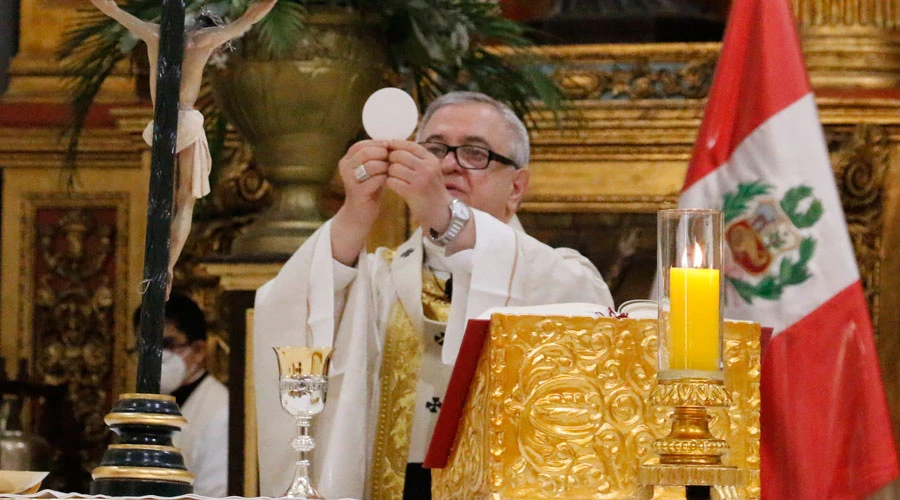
(764, 236)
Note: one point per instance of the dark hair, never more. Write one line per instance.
(184, 313)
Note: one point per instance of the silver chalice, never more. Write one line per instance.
(302, 383)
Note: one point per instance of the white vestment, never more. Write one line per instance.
(190, 131)
(302, 306)
(204, 441)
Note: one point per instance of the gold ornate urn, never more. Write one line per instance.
(299, 114)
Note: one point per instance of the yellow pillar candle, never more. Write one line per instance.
(694, 319)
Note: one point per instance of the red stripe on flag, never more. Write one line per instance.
(825, 431)
(760, 72)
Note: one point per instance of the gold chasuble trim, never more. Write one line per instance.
(435, 303)
(399, 376)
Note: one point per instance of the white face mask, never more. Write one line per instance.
(173, 372)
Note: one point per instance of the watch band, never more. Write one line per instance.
(459, 215)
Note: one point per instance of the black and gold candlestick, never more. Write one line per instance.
(144, 462)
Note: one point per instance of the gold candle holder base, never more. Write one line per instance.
(689, 475)
(690, 455)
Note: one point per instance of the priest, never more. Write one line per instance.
(396, 317)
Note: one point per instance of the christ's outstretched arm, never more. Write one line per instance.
(141, 29)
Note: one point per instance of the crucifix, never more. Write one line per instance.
(177, 59)
(195, 46)
(145, 463)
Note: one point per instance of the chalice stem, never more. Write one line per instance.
(301, 486)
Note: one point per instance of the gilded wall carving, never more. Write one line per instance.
(850, 43)
(859, 157)
(874, 13)
(631, 72)
(560, 410)
(638, 80)
(75, 253)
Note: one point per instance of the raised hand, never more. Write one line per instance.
(363, 171)
(416, 176)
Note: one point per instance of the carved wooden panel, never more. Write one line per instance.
(74, 260)
(859, 157)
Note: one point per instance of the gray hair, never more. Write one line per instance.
(520, 147)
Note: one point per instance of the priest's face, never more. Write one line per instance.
(499, 188)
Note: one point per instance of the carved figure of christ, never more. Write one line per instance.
(194, 162)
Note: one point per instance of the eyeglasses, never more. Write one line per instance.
(467, 156)
(170, 343)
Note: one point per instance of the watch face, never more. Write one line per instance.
(461, 210)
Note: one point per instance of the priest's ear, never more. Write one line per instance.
(520, 178)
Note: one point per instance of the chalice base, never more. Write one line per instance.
(302, 488)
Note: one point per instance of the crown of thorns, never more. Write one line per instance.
(217, 20)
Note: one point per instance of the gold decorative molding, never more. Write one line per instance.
(559, 409)
(155, 419)
(151, 447)
(860, 156)
(700, 447)
(35, 73)
(146, 473)
(689, 392)
(680, 475)
(143, 395)
(690, 442)
(240, 276)
(883, 14)
(632, 72)
(850, 43)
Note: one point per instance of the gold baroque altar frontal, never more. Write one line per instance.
(558, 408)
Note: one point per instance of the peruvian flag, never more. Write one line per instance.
(760, 157)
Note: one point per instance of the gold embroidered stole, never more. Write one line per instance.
(435, 303)
(400, 365)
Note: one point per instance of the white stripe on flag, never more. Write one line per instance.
(787, 151)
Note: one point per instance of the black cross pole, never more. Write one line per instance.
(159, 204)
(148, 467)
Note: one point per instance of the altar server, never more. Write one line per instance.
(202, 398)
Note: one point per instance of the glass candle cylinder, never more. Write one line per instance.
(690, 281)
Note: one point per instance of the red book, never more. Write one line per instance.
(457, 393)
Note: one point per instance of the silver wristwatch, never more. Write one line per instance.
(460, 213)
